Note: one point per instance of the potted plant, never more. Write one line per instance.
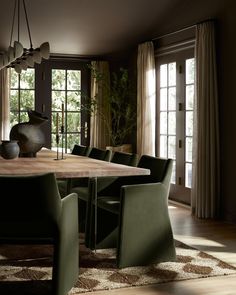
(118, 96)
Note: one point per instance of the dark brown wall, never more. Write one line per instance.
(227, 104)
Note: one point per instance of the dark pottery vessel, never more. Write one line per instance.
(29, 135)
(9, 149)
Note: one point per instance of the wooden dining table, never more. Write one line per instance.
(72, 166)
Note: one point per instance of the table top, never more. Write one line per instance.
(71, 167)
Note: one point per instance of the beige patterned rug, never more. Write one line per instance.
(27, 270)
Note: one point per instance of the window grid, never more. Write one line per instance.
(70, 136)
(21, 98)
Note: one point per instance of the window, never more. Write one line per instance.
(44, 89)
(22, 95)
(175, 99)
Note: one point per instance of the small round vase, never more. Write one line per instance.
(9, 149)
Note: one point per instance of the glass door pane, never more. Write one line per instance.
(189, 100)
(168, 113)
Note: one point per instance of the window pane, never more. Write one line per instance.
(172, 98)
(163, 75)
(14, 100)
(173, 175)
(188, 149)
(54, 118)
(13, 118)
(73, 122)
(172, 147)
(72, 139)
(24, 117)
(190, 70)
(73, 80)
(163, 146)
(14, 78)
(188, 175)
(163, 99)
(172, 123)
(27, 99)
(53, 141)
(189, 123)
(172, 74)
(189, 97)
(163, 122)
(58, 97)
(73, 101)
(27, 79)
(58, 79)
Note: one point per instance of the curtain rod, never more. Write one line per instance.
(175, 32)
(181, 30)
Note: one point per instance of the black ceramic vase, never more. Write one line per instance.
(9, 149)
(29, 135)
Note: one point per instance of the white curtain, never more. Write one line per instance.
(4, 104)
(146, 98)
(99, 136)
(206, 163)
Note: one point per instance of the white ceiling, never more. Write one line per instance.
(95, 27)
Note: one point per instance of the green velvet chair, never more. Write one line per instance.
(100, 154)
(83, 191)
(32, 212)
(132, 215)
(81, 150)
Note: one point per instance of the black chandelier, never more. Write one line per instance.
(17, 56)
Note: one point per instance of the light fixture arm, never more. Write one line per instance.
(13, 22)
(27, 22)
(18, 33)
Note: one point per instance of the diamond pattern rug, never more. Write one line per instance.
(27, 269)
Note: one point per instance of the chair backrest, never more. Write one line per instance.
(125, 158)
(30, 205)
(100, 154)
(156, 165)
(81, 150)
(158, 173)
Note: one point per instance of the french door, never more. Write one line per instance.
(66, 87)
(175, 102)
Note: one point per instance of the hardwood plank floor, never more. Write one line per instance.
(214, 237)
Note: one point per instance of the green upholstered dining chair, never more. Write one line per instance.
(132, 215)
(100, 154)
(32, 212)
(81, 150)
(102, 182)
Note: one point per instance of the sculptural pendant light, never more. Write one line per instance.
(17, 56)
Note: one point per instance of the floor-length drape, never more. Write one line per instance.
(146, 97)
(100, 80)
(4, 104)
(206, 180)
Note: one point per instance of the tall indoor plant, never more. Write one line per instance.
(118, 95)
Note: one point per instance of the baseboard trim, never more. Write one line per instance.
(179, 204)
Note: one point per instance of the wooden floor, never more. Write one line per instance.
(216, 238)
